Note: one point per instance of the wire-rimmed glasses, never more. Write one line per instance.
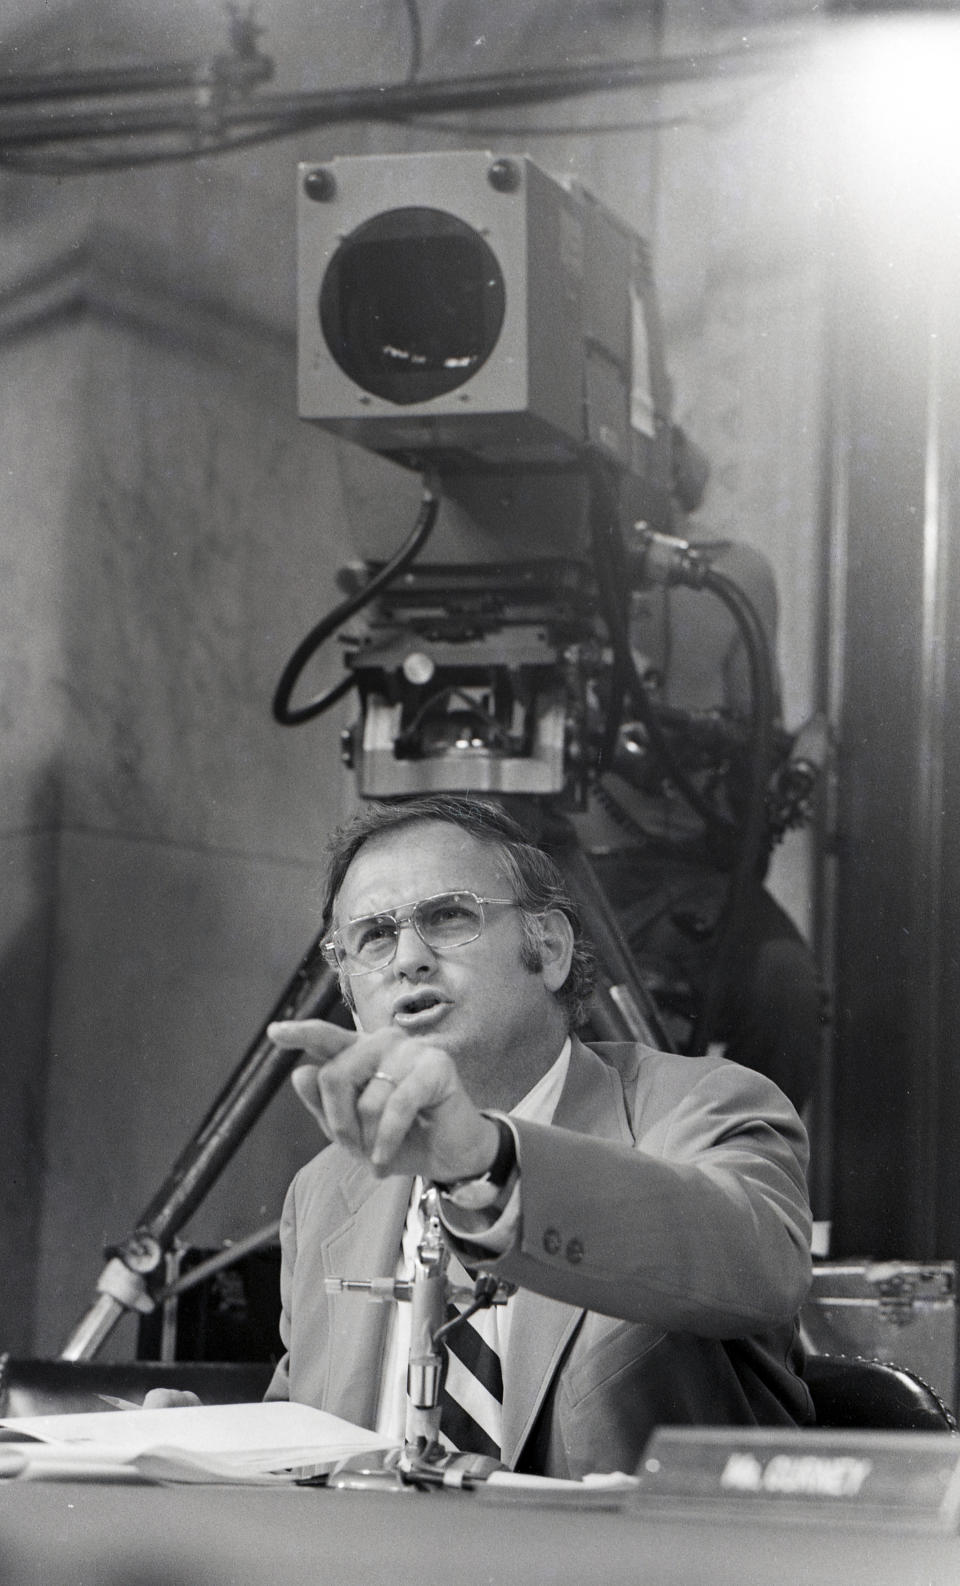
(450, 919)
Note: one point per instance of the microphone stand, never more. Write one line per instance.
(423, 1460)
(429, 1295)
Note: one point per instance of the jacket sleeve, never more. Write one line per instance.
(701, 1225)
(279, 1385)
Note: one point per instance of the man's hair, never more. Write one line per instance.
(537, 881)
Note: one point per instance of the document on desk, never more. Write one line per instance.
(265, 1443)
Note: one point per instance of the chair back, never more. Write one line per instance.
(851, 1392)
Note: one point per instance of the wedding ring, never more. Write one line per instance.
(388, 1077)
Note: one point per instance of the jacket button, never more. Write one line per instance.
(574, 1251)
(551, 1241)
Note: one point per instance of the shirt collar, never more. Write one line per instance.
(540, 1102)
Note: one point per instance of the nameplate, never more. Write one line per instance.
(906, 1479)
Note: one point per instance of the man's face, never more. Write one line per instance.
(499, 1021)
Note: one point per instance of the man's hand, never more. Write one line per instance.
(169, 1399)
(393, 1099)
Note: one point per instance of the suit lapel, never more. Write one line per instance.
(592, 1100)
(541, 1329)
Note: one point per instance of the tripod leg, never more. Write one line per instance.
(123, 1284)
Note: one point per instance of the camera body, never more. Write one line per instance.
(463, 312)
(470, 317)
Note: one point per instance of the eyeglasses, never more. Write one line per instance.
(451, 919)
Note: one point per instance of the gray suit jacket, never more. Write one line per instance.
(662, 1256)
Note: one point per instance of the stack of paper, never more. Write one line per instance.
(261, 1443)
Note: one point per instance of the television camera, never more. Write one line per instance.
(473, 319)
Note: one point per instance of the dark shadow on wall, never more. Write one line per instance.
(28, 856)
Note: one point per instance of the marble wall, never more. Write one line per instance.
(38, 401)
(180, 533)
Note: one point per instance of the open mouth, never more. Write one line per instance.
(418, 1005)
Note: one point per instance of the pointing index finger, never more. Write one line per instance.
(317, 1040)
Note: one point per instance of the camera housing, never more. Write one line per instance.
(464, 311)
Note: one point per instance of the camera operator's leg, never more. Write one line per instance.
(771, 1009)
(773, 1012)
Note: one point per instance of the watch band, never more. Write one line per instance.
(498, 1173)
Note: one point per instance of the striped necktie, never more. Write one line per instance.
(471, 1401)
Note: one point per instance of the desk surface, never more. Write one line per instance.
(86, 1534)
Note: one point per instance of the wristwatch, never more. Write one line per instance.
(484, 1190)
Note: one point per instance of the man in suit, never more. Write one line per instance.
(650, 1208)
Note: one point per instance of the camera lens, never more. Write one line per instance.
(412, 304)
